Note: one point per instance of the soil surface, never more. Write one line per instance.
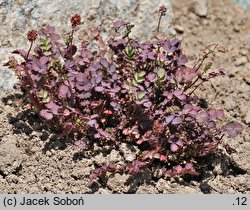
(32, 160)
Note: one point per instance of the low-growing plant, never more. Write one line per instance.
(124, 90)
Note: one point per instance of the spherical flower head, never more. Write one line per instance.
(75, 20)
(163, 10)
(32, 35)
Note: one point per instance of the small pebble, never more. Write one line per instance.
(179, 29)
(241, 61)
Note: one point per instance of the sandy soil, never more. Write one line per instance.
(32, 160)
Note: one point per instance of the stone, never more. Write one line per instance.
(147, 189)
(247, 117)
(179, 29)
(241, 61)
(243, 3)
(244, 51)
(129, 152)
(117, 183)
(200, 8)
(114, 156)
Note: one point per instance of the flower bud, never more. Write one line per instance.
(32, 35)
(75, 20)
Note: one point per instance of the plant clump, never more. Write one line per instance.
(124, 90)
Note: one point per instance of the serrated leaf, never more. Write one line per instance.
(64, 91)
(174, 147)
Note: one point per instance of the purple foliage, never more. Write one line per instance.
(124, 90)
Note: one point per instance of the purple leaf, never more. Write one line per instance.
(176, 121)
(45, 113)
(179, 94)
(189, 166)
(99, 89)
(53, 107)
(66, 112)
(202, 117)
(178, 169)
(148, 104)
(87, 87)
(43, 60)
(119, 23)
(98, 79)
(71, 50)
(104, 62)
(223, 71)
(81, 77)
(84, 95)
(169, 119)
(233, 129)
(151, 77)
(182, 60)
(168, 95)
(80, 145)
(174, 147)
(220, 114)
(91, 123)
(64, 91)
(211, 125)
(20, 52)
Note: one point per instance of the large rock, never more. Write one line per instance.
(17, 17)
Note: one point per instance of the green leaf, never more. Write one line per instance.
(130, 52)
(161, 73)
(140, 95)
(208, 66)
(46, 48)
(78, 122)
(127, 84)
(43, 94)
(139, 77)
(47, 53)
(44, 41)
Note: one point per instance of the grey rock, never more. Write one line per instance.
(243, 3)
(18, 17)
